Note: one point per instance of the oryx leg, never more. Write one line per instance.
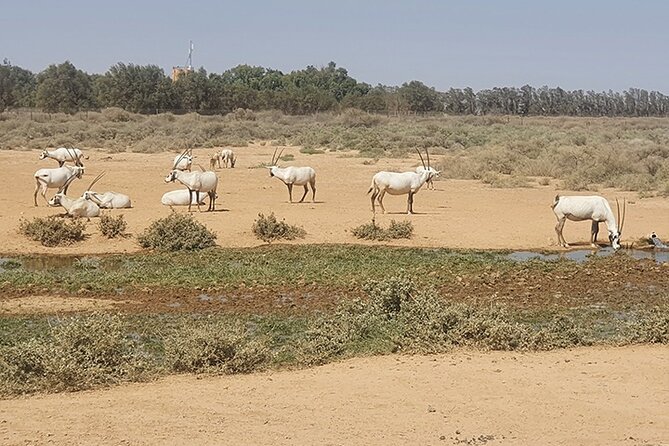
(410, 203)
(37, 188)
(558, 230)
(306, 189)
(593, 234)
(313, 191)
(382, 193)
(212, 201)
(190, 199)
(290, 191)
(375, 193)
(197, 200)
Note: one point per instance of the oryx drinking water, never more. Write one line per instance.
(593, 207)
(294, 176)
(404, 183)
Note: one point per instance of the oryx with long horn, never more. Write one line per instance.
(404, 183)
(63, 154)
(76, 207)
(58, 178)
(196, 183)
(294, 176)
(108, 200)
(593, 207)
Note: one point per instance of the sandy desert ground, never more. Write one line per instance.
(458, 214)
(588, 396)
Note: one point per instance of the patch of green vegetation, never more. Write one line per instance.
(269, 229)
(112, 227)
(397, 315)
(53, 231)
(372, 231)
(177, 232)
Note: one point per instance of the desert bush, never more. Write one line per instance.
(652, 326)
(269, 229)
(372, 231)
(81, 353)
(216, 348)
(53, 231)
(353, 117)
(177, 232)
(112, 227)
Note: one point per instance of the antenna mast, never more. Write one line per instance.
(189, 64)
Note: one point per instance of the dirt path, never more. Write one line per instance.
(459, 214)
(594, 396)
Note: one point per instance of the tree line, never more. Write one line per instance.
(147, 89)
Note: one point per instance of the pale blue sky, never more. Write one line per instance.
(585, 44)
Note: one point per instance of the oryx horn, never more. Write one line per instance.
(95, 180)
(421, 158)
(427, 152)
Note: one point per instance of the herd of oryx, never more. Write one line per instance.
(202, 184)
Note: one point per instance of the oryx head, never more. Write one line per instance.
(55, 201)
(44, 154)
(614, 236)
(172, 176)
(272, 164)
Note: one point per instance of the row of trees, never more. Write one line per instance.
(146, 89)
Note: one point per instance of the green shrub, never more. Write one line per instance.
(53, 231)
(81, 353)
(177, 232)
(216, 348)
(652, 327)
(112, 227)
(269, 229)
(372, 231)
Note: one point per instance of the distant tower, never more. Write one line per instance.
(180, 71)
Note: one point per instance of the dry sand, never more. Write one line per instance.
(587, 396)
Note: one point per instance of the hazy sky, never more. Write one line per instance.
(574, 44)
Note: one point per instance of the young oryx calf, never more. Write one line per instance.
(294, 176)
(77, 207)
(435, 173)
(180, 197)
(228, 157)
(196, 183)
(396, 183)
(108, 200)
(63, 154)
(595, 208)
(57, 178)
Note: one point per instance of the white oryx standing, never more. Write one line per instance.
(435, 173)
(228, 157)
(196, 183)
(63, 154)
(108, 200)
(184, 160)
(294, 176)
(75, 207)
(403, 183)
(57, 178)
(593, 207)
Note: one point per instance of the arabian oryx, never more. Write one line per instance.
(184, 160)
(294, 176)
(64, 154)
(76, 207)
(228, 157)
(196, 183)
(403, 183)
(57, 178)
(595, 208)
(180, 197)
(108, 200)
